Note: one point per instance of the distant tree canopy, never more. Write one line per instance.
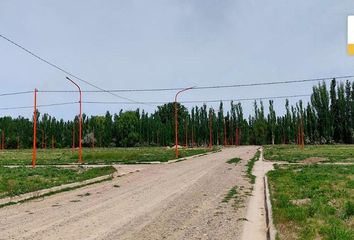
(327, 118)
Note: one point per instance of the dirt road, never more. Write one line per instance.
(181, 200)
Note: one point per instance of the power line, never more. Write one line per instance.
(203, 101)
(157, 103)
(206, 87)
(42, 105)
(15, 93)
(65, 71)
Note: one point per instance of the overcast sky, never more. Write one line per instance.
(158, 43)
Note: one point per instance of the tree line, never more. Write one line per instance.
(327, 118)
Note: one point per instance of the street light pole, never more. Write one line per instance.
(176, 119)
(80, 121)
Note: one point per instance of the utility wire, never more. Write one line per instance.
(156, 103)
(204, 101)
(176, 89)
(15, 93)
(208, 87)
(65, 71)
(43, 105)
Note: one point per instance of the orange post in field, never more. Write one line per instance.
(210, 130)
(34, 150)
(176, 120)
(302, 134)
(80, 121)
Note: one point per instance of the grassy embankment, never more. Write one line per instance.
(19, 180)
(324, 153)
(95, 156)
(313, 201)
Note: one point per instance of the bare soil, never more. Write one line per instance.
(312, 160)
(181, 200)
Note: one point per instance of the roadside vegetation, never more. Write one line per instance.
(96, 156)
(313, 201)
(232, 193)
(18, 180)
(233, 160)
(250, 166)
(323, 153)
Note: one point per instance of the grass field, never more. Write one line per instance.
(313, 201)
(95, 156)
(327, 153)
(19, 180)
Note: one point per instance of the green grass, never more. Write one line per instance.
(233, 160)
(96, 156)
(230, 195)
(250, 166)
(292, 153)
(19, 180)
(313, 201)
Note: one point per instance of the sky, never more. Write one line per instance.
(133, 44)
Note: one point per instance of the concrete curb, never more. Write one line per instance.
(56, 189)
(39, 193)
(271, 231)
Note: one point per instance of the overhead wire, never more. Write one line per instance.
(203, 101)
(209, 87)
(14, 93)
(156, 103)
(63, 70)
(41, 105)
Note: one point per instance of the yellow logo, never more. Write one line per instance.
(350, 46)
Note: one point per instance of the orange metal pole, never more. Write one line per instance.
(80, 121)
(210, 130)
(176, 128)
(176, 120)
(34, 150)
(302, 134)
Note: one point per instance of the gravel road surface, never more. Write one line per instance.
(182, 200)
